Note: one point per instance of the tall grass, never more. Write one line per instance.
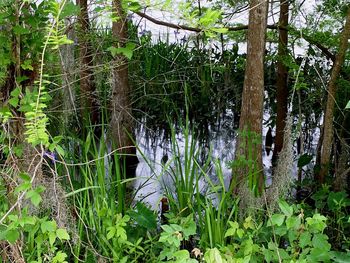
(98, 194)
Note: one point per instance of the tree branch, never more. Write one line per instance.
(307, 38)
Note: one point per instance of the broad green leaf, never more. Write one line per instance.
(240, 233)
(12, 235)
(27, 65)
(319, 255)
(248, 223)
(293, 222)
(321, 241)
(304, 159)
(305, 239)
(127, 51)
(316, 223)
(13, 102)
(23, 187)
(276, 219)
(13, 218)
(285, 208)
(25, 177)
(60, 150)
(60, 257)
(15, 92)
(62, 234)
(213, 256)
(48, 226)
(111, 232)
(182, 254)
(230, 232)
(69, 9)
(35, 198)
(341, 257)
(52, 238)
(27, 220)
(144, 216)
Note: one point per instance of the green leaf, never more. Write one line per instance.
(111, 232)
(285, 208)
(62, 234)
(23, 187)
(52, 238)
(276, 219)
(60, 257)
(27, 65)
(20, 30)
(35, 198)
(213, 256)
(12, 235)
(25, 177)
(305, 239)
(347, 105)
(316, 223)
(144, 216)
(13, 218)
(60, 150)
(182, 254)
(127, 51)
(113, 50)
(48, 226)
(134, 6)
(15, 92)
(13, 102)
(18, 150)
(281, 230)
(232, 230)
(240, 233)
(337, 200)
(27, 220)
(321, 241)
(319, 255)
(293, 222)
(304, 159)
(220, 30)
(341, 257)
(69, 9)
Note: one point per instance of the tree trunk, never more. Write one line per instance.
(342, 171)
(88, 96)
(66, 53)
(249, 143)
(332, 89)
(121, 116)
(282, 78)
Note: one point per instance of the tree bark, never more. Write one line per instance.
(282, 79)
(121, 116)
(329, 113)
(89, 101)
(249, 142)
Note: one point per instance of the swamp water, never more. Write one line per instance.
(155, 171)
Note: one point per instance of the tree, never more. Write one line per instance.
(282, 79)
(121, 124)
(89, 101)
(249, 145)
(327, 139)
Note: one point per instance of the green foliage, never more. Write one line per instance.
(172, 237)
(246, 162)
(126, 51)
(41, 235)
(143, 216)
